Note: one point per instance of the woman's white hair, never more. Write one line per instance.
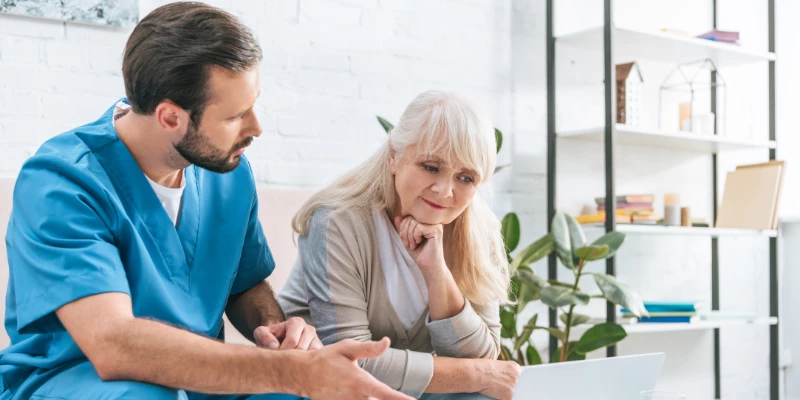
(436, 123)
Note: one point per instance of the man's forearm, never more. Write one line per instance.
(149, 351)
(253, 308)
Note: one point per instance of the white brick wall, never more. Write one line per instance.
(330, 66)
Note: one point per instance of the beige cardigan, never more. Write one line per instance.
(337, 285)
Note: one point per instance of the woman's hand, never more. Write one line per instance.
(425, 245)
(498, 378)
(423, 242)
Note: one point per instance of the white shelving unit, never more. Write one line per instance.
(688, 141)
(621, 44)
(649, 327)
(642, 229)
(664, 47)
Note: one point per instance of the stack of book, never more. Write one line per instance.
(661, 312)
(635, 209)
(721, 36)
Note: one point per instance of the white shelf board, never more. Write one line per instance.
(641, 229)
(653, 327)
(664, 47)
(626, 135)
(648, 327)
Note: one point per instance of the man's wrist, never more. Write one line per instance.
(291, 368)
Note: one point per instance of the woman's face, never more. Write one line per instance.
(429, 189)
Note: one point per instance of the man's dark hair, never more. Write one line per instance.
(171, 51)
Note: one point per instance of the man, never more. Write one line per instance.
(130, 237)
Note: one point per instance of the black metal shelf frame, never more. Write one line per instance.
(610, 195)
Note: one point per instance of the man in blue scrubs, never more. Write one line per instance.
(131, 235)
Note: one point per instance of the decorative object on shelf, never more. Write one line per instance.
(750, 198)
(730, 37)
(631, 209)
(117, 13)
(661, 312)
(684, 90)
(686, 217)
(676, 32)
(672, 209)
(569, 242)
(629, 94)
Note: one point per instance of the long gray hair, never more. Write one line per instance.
(436, 122)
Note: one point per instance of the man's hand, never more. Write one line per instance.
(293, 333)
(335, 374)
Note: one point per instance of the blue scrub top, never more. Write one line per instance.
(86, 221)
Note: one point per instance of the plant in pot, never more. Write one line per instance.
(569, 243)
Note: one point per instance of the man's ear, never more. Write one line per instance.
(171, 117)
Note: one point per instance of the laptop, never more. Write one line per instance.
(616, 378)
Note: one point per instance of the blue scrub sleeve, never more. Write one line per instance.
(256, 263)
(59, 241)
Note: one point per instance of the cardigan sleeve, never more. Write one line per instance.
(472, 333)
(334, 280)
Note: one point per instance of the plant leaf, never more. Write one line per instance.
(505, 354)
(534, 358)
(572, 355)
(577, 319)
(508, 322)
(500, 168)
(591, 253)
(536, 251)
(613, 240)
(556, 296)
(527, 293)
(387, 126)
(557, 283)
(576, 236)
(556, 333)
(529, 278)
(513, 288)
(498, 136)
(600, 336)
(511, 231)
(526, 332)
(562, 240)
(618, 293)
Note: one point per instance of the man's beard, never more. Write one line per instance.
(196, 149)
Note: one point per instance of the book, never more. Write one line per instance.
(717, 35)
(629, 206)
(750, 198)
(780, 184)
(663, 314)
(629, 212)
(645, 218)
(630, 198)
(599, 218)
(646, 320)
(660, 306)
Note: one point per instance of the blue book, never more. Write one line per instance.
(658, 307)
(665, 319)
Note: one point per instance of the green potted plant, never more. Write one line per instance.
(569, 242)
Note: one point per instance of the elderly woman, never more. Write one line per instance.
(402, 247)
